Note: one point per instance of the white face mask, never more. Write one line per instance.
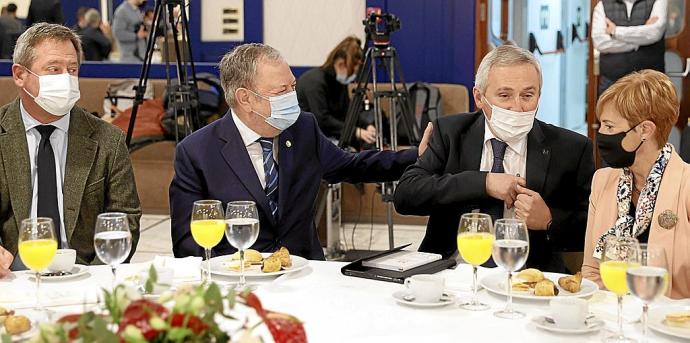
(344, 79)
(509, 125)
(57, 94)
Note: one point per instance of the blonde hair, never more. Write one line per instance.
(24, 52)
(644, 95)
(238, 67)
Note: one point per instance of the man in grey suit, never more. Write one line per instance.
(56, 160)
(130, 32)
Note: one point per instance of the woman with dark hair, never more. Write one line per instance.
(323, 91)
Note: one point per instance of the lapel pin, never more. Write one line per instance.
(288, 143)
(668, 219)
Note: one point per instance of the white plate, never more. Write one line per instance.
(219, 266)
(593, 325)
(446, 299)
(657, 319)
(495, 283)
(77, 271)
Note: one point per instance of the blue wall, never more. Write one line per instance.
(435, 42)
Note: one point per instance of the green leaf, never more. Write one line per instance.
(232, 298)
(152, 280)
(6, 338)
(133, 335)
(213, 298)
(179, 334)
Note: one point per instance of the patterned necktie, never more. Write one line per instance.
(499, 148)
(271, 173)
(47, 183)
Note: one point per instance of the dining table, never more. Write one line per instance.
(339, 308)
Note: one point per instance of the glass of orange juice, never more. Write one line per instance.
(37, 247)
(619, 255)
(475, 243)
(208, 227)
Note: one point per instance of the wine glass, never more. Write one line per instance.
(112, 240)
(242, 230)
(510, 252)
(619, 254)
(207, 225)
(650, 280)
(37, 247)
(475, 240)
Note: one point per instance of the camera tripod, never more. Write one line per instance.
(382, 57)
(183, 95)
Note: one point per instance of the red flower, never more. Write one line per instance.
(138, 314)
(194, 323)
(283, 327)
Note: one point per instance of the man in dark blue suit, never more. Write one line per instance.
(268, 151)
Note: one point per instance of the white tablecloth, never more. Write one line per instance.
(337, 308)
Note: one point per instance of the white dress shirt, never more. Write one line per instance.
(514, 160)
(58, 141)
(627, 38)
(256, 155)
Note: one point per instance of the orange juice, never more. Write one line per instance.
(475, 247)
(37, 254)
(614, 277)
(208, 233)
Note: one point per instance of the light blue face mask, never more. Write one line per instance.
(284, 110)
(344, 79)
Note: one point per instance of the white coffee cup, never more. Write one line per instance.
(569, 312)
(64, 260)
(426, 288)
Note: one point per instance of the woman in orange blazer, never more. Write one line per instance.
(646, 191)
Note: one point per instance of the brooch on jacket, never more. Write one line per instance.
(668, 219)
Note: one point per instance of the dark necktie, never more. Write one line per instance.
(499, 148)
(47, 183)
(271, 173)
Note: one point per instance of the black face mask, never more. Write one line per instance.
(611, 149)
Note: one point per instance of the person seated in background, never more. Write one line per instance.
(9, 22)
(265, 149)
(81, 19)
(646, 191)
(502, 161)
(58, 161)
(323, 91)
(95, 37)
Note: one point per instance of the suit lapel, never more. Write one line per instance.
(236, 156)
(15, 158)
(285, 167)
(538, 156)
(472, 144)
(81, 154)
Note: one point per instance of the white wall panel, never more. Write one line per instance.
(305, 31)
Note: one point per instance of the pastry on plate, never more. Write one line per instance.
(4, 313)
(571, 283)
(15, 325)
(545, 288)
(678, 319)
(531, 275)
(271, 264)
(250, 255)
(284, 255)
(521, 287)
(235, 265)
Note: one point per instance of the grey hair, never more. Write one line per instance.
(504, 55)
(238, 67)
(92, 17)
(24, 51)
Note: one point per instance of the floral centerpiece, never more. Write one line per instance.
(191, 314)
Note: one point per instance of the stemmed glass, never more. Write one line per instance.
(475, 240)
(619, 255)
(112, 240)
(650, 280)
(37, 247)
(510, 252)
(207, 225)
(242, 230)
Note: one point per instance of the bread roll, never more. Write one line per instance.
(271, 264)
(531, 275)
(678, 319)
(15, 325)
(250, 255)
(545, 288)
(572, 283)
(284, 255)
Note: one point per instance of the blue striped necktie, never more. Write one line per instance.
(271, 174)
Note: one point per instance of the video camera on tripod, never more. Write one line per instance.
(378, 27)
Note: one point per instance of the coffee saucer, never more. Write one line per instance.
(591, 325)
(404, 297)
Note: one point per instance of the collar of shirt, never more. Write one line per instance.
(30, 122)
(248, 135)
(517, 147)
